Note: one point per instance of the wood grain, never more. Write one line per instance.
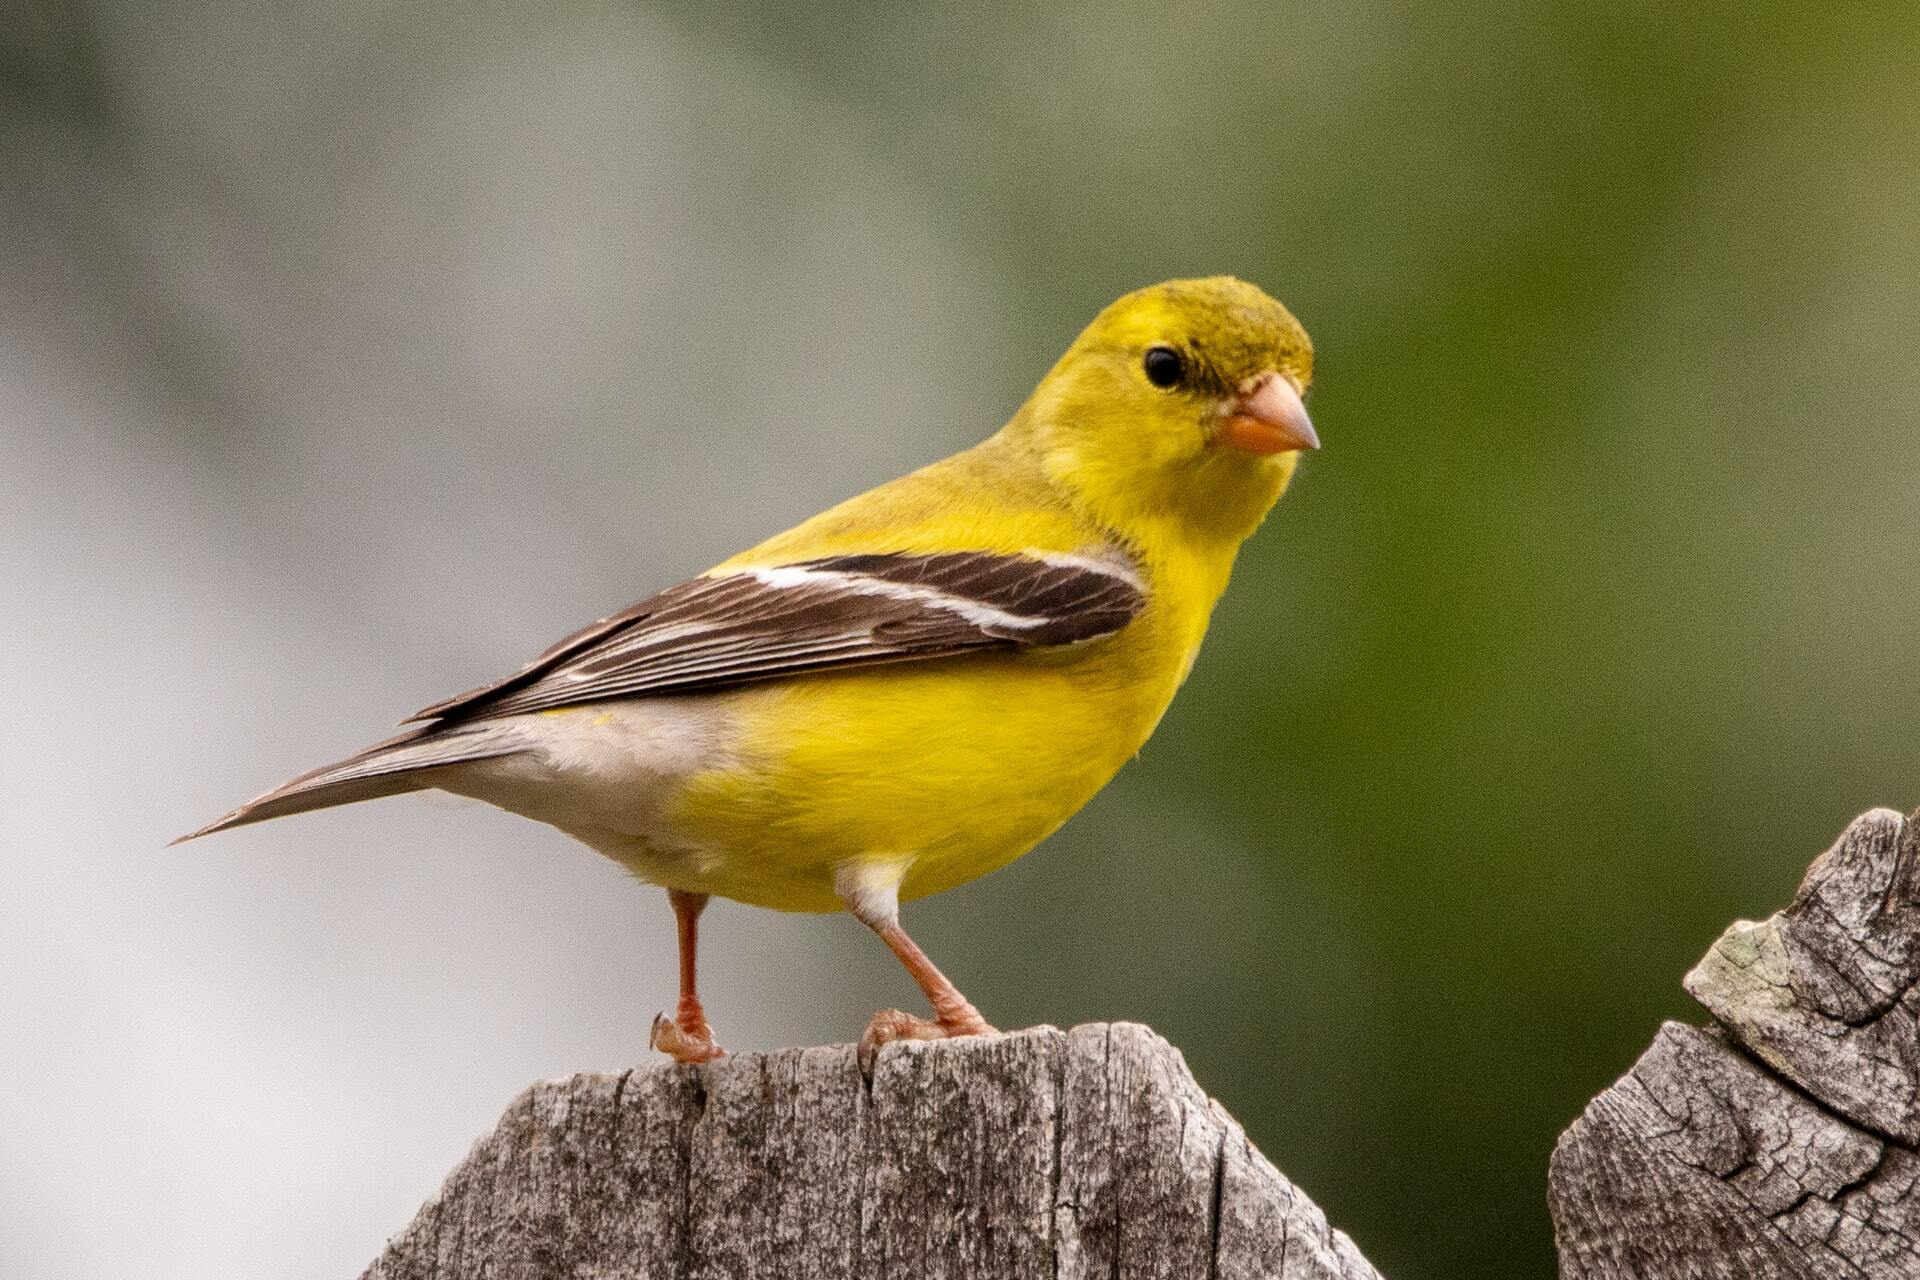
(1780, 1143)
(1045, 1154)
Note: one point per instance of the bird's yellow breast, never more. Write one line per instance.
(950, 767)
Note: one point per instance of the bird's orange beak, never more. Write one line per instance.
(1268, 418)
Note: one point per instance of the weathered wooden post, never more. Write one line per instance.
(1780, 1142)
(1043, 1153)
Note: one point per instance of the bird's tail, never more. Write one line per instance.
(401, 764)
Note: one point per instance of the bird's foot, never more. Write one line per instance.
(889, 1025)
(688, 1041)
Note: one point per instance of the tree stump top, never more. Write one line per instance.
(1042, 1153)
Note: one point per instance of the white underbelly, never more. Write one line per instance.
(608, 774)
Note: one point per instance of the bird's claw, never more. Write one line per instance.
(688, 1045)
(889, 1025)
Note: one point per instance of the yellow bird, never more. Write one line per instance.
(914, 687)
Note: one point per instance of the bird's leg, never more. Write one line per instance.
(686, 1037)
(953, 1013)
(874, 900)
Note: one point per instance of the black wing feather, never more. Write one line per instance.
(840, 611)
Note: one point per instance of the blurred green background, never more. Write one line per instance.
(355, 353)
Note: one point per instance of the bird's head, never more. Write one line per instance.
(1180, 405)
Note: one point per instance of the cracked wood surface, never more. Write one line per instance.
(1780, 1143)
(1041, 1153)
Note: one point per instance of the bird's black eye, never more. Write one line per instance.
(1164, 367)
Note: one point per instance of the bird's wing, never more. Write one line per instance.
(759, 623)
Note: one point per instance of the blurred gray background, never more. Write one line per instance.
(350, 354)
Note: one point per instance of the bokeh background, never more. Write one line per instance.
(350, 353)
